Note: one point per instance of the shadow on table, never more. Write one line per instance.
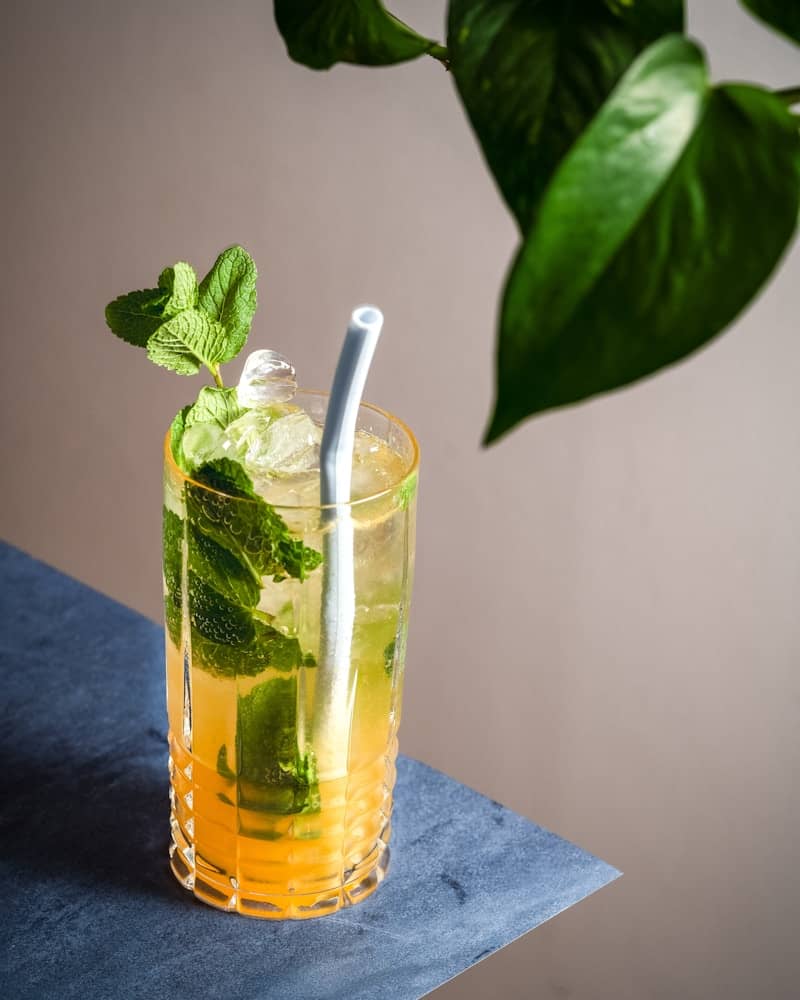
(96, 818)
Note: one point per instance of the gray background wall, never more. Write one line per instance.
(605, 633)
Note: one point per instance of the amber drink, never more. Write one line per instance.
(273, 813)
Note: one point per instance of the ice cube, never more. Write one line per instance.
(290, 446)
(271, 444)
(268, 377)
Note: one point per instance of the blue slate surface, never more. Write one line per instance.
(91, 909)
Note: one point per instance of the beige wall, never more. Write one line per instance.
(605, 633)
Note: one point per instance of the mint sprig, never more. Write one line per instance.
(185, 326)
(217, 406)
(230, 537)
(228, 295)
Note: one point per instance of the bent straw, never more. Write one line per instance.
(334, 695)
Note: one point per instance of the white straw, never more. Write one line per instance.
(334, 694)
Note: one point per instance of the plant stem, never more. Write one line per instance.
(440, 52)
(214, 369)
(789, 95)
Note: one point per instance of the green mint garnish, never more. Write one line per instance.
(179, 283)
(217, 406)
(228, 295)
(172, 527)
(268, 648)
(230, 536)
(136, 316)
(186, 342)
(216, 618)
(177, 427)
(255, 529)
(184, 326)
(230, 576)
(273, 773)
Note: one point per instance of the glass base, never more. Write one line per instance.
(223, 894)
(292, 872)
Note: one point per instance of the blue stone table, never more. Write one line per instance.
(90, 908)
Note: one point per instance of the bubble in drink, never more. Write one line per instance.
(268, 377)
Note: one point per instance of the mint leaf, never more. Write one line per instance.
(232, 578)
(388, 657)
(172, 533)
(215, 617)
(136, 316)
(227, 476)
(218, 406)
(228, 295)
(269, 648)
(179, 283)
(177, 427)
(237, 516)
(187, 341)
(273, 774)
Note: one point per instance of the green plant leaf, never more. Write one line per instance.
(319, 33)
(783, 15)
(136, 316)
(172, 550)
(222, 569)
(531, 76)
(216, 617)
(217, 406)
(179, 283)
(661, 224)
(234, 515)
(269, 648)
(228, 295)
(187, 341)
(274, 773)
(176, 429)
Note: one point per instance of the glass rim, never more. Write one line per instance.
(410, 470)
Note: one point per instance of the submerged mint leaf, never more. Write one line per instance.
(223, 768)
(388, 657)
(227, 476)
(186, 341)
(215, 617)
(274, 774)
(228, 295)
(179, 283)
(237, 515)
(172, 534)
(136, 316)
(218, 566)
(218, 406)
(269, 648)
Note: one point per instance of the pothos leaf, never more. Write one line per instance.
(319, 33)
(531, 76)
(783, 15)
(661, 224)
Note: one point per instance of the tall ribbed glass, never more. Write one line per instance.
(282, 762)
